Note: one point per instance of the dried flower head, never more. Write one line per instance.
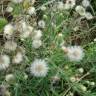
(39, 68)
(10, 45)
(70, 4)
(36, 43)
(4, 62)
(75, 53)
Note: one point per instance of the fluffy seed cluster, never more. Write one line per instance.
(37, 39)
(18, 58)
(39, 68)
(10, 45)
(8, 31)
(75, 53)
(82, 11)
(70, 4)
(4, 62)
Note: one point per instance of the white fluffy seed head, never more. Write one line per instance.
(85, 3)
(24, 29)
(60, 5)
(41, 24)
(80, 9)
(69, 4)
(31, 11)
(4, 62)
(8, 31)
(75, 53)
(37, 35)
(39, 68)
(18, 58)
(25, 35)
(88, 16)
(10, 45)
(36, 43)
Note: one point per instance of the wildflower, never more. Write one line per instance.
(36, 43)
(70, 4)
(88, 15)
(4, 62)
(37, 35)
(8, 31)
(85, 3)
(10, 78)
(17, 1)
(31, 11)
(81, 10)
(39, 68)
(18, 58)
(75, 53)
(41, 24)
(10, 45)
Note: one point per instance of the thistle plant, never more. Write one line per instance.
(47, 48)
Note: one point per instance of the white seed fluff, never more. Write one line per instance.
(31, 11)
(75, 53)
(41, 24)
(80, 9)
(36, 43)
(37, 35)
(10, 45)
(60, 5)
(39, 68)
(8, 30)
(24, 29)
(69, 4)
(18, 58)
(88, 16)
(4, 62)
(85, 3)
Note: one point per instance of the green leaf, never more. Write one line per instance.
(3, 22)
